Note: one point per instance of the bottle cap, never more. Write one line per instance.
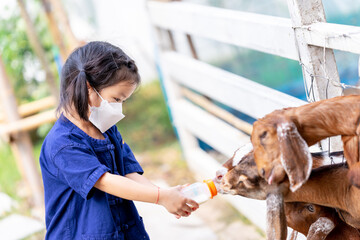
(211, 186)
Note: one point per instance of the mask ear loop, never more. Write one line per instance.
(98, 94)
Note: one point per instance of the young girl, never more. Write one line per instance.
(90, 174)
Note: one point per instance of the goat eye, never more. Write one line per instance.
(262, 173)
(263, 135)
(310, 208)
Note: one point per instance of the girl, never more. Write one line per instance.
(90, 174)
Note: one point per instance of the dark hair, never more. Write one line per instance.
(101, 64)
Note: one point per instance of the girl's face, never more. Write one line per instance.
(115, 93)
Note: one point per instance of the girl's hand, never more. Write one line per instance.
(173, 200)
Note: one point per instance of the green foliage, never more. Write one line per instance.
(15, 48)
(19, 58)
(9, 174)
(147, 123)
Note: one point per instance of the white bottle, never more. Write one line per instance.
(201, 191)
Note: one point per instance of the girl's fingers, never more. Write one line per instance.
(187, 208)
(192, 203)
(183, 213)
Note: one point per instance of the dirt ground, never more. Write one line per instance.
(168, 165)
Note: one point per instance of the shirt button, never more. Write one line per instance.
(125, 227)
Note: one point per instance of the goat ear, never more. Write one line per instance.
(295, 155)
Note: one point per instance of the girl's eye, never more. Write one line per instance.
(117, 99)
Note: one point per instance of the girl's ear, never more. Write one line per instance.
(92, 96)
(88, 85)
(295, 155)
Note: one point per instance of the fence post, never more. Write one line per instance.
(59, 10)
(20, 142)
(318, 63)
(54, 28)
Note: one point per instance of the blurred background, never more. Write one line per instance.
(37, 35)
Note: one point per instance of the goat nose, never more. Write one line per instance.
(220, 173)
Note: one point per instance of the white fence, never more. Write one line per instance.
(305, 37)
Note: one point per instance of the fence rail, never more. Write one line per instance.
(250, 30)
(225, 87)
(243, 29)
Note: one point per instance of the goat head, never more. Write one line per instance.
(279, 150)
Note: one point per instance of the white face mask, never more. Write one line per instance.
(106, 115)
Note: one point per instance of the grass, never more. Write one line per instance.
(10, 176)
(9, 173)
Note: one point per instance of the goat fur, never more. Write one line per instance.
(281, 138)
(322, 191)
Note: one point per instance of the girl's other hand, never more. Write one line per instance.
(176, 203)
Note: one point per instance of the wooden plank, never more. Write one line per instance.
(253, 31)
(335, 36)
(29, 123)
(37, 106)
(171, 91)
(55, 32)
(20, 143)
(62, 16)
(33, 107)
(217, 111)
(318, 64)
(264, 33)
(230, 89)
(215, 132)
(254, 210)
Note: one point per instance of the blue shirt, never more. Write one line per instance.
(71, 163)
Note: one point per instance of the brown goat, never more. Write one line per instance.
(281, 138)
(240, 177)
(302, 216)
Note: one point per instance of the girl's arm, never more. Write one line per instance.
(127, 188)
(140, 179)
